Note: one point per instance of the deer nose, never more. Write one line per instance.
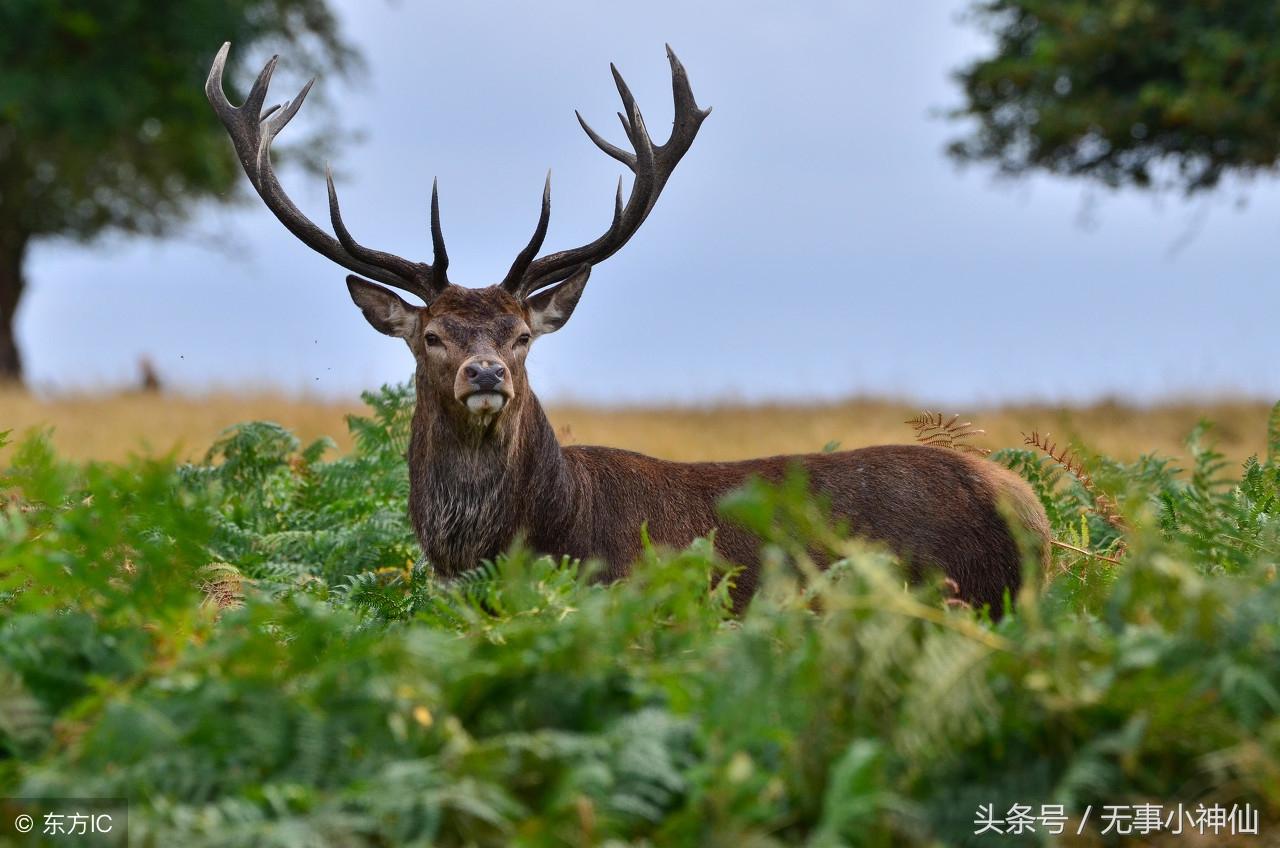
(485, 375)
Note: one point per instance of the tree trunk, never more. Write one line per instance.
(13, 249)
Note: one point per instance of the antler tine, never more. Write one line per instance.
(618, 153)
(633, 122)
(258, 93)
(651, 164)
(439, 256)
(688, 116)
(274, 119)
(515, 278)
(252, 130)
(371, 256)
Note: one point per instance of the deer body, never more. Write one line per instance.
(471, 498)
(485, 466)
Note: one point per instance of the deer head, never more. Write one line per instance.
(469, 344)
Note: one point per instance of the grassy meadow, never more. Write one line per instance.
(112, 426)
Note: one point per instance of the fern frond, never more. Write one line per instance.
(948, 700)
(932, 428)
(1069, 459)
(24, 725)
(223, 585)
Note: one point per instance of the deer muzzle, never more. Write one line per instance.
(484, 385)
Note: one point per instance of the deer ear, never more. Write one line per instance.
(550, 309)
(382, 308)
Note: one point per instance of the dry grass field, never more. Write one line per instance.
(113, 426)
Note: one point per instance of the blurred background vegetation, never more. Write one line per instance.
(1137, 93)
(114, 426)
(102, 129)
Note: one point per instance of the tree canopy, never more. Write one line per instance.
(104, 124)
(1145, 93)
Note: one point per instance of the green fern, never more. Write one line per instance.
(24, 724)
(349, 696)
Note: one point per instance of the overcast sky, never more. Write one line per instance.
(814, 243)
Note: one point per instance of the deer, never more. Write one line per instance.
(485, 466)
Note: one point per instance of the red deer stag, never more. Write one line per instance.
(485, 465)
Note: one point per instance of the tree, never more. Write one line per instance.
(1148, 93)
(104, 125)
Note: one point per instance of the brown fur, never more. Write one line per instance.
(477, 486)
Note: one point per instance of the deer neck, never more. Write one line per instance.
(474, 489)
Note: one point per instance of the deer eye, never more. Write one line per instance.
(433, 340)
(522, 339)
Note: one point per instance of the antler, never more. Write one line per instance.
(652, 166)
(252, 133)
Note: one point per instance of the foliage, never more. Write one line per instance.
(103, 119)
(104, 126)
(248, 650)
(284, 515)
(1136, 92)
